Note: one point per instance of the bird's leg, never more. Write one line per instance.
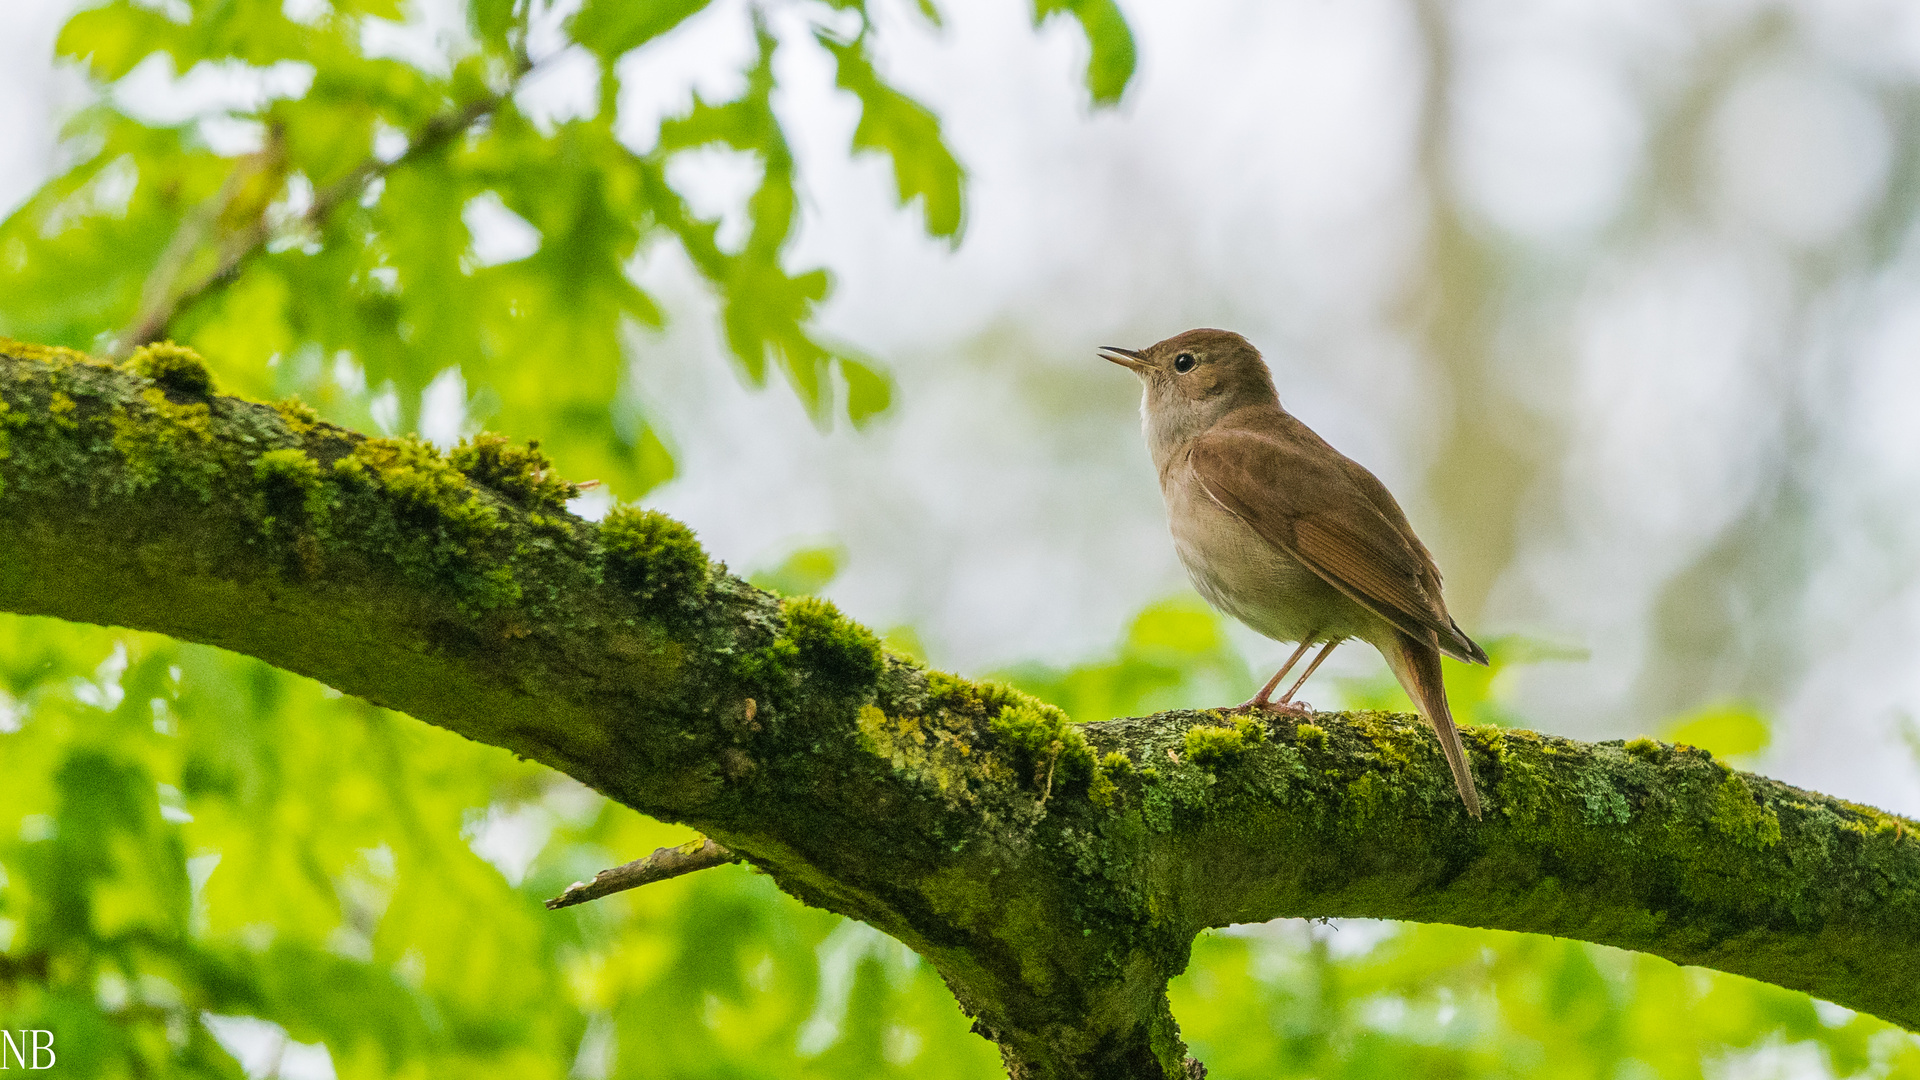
(1260, 700)
(1286, 700)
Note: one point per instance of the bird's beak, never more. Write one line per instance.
(1124, 357)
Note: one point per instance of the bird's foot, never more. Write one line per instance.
(1279, 708)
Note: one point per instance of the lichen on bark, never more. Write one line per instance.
(1054, 873)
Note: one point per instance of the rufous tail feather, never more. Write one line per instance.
(1416, 664)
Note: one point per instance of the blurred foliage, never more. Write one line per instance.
(1478, 694)
(375, 202)
(803, 571)
(1735, 731)
(187, 835)
(1176, 655)
(1362, 999)
(1732, 730)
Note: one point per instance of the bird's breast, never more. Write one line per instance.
(1243, 575)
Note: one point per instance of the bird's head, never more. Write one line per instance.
(1192, 380)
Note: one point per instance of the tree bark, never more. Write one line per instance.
(1055, 874)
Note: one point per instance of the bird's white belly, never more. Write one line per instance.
(1244, 576)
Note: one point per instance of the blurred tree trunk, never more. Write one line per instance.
(1055, 874)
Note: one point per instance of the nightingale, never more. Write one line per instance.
(1288, 535)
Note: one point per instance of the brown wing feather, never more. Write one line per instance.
(1348, 559)
(1301, 496)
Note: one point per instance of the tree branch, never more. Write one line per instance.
(1055, 874)
(663, 864)
(160, 304)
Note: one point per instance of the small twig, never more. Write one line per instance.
(1048, 794)
(158, 304)
(161, 306)
(699, 853)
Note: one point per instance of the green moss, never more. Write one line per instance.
(937, 749)
(1212, 745)
(1742, 817)
(836, 654)
(832, 646)
(975, 739)
(444, 527)
(1368, 797)
(1491, 740)
(53, 356)
(294, 501)
(421, 481)
(653, 556)
(1643, 747)
(1311, 735)
(299, 416)
(1389, 738)
(1031, 728)
(61, 407)
(1044, 745)
(172, 441)
(768, 664)
(981, 699)
(1870, 822)
(1103, 791)
(521, 473)
(175, 367)
(494, 587)
(1601, 803)
(290, 483)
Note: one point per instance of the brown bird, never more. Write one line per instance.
(1287, 534)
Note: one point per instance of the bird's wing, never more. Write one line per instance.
(1330, 515)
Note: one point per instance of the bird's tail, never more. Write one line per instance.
(1416, 663)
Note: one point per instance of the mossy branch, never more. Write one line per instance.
(1055, 873)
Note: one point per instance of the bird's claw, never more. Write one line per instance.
(1280, 708)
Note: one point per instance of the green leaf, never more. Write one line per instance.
(1728, 729)
(869, 392)
(328, 133)
(245, 325)
(80, 251)
(1175, 655)
(493, 21)
(113, 39)
(764, 306)
(803, 572)
(746, 124)
(1111, 65)
(118, 35)
(906, 131)
(612, 27)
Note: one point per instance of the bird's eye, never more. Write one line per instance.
(1184, 363)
